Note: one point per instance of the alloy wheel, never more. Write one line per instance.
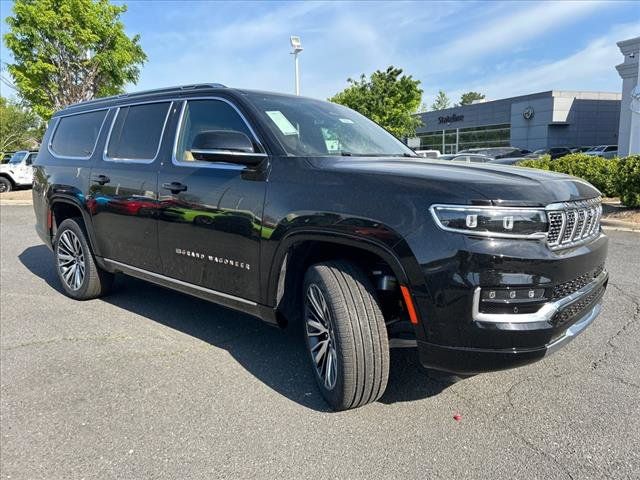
(70, 257)
(319, 330)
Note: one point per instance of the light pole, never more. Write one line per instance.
(297, 48)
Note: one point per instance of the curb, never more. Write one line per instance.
(610, 223)
(15, 202)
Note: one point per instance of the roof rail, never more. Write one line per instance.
(179, 88)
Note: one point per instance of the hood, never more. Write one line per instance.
(479, 182)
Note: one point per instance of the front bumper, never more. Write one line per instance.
(460, 333)
(468, 360)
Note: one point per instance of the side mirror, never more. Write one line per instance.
(227, 146)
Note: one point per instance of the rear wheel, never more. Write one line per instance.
(5, 185)
(345, 334)
(81, 278)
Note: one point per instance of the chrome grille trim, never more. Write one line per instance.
(573, 223)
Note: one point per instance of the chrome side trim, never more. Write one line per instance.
(532, 236)
(180, 282)
(55, 129)
(107, 158)
(546, 312)
(217, 165)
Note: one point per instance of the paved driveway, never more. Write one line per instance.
(149, 383)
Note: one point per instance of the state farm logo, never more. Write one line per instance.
(212, 258)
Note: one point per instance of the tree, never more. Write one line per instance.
(67, 51)
(388, 97)
(19, 127)
(441, 102)
(470, 97)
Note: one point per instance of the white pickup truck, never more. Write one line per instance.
(18, 171)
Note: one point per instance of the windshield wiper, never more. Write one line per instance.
(351, 154)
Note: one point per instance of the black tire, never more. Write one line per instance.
(357, 333)
(5, 185)
(95, 282)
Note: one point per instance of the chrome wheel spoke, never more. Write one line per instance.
(66, 243)
(315, 328)
(65, 258)
(320, 349)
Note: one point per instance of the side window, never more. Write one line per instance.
(76, 135)
(202, 115)
(137, 131)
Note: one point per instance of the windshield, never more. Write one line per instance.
(18, 157)
(307, 127)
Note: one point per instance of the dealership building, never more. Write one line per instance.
(539, 120)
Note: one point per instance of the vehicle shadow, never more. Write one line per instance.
(274, 356)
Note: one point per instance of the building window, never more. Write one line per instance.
(470, 137)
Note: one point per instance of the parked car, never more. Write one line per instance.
(509, 160)
(605, 151)
(495, 152)
(18, 171)
(471, 158)
(428, 153)
(553, 152)
(313, 217)
(581, 149)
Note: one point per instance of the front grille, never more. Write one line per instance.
(572, 286)
(572, 223)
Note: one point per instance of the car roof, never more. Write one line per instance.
(184, 91)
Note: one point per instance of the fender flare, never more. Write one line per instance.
(278, 266)
(70, 200)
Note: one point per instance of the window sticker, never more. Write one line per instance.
(282, 122)
(345, 120)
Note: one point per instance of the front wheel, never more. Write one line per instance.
(345, 334)
(5, 185)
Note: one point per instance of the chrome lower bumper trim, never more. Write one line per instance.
(546, 312)
(574, 330)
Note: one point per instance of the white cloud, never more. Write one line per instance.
(516, 27)
(588, 69)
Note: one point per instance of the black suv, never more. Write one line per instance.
(303, 212)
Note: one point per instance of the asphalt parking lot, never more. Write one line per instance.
(148, 383)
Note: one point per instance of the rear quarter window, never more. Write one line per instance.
(76, 135)
(137, 131)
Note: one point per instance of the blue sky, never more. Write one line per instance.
(499, 48)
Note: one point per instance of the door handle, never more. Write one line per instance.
(174, 187)
(101, 179)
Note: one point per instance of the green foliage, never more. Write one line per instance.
(628, 181)
(388, 97)
(470, 97)
(441, 102)
(542, 163)
(599, 172)
(19, 127)
(67, 51)
(613, 177)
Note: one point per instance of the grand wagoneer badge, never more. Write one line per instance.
(212, 258)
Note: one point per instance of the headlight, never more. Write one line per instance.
(504, 222)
